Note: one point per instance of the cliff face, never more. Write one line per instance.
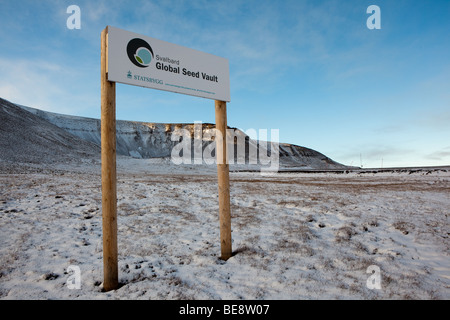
(157, 140)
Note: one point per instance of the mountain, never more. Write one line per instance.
(27, 138)
(29, 134)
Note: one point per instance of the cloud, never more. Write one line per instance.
(435, 119)
(441, 155)
(375, 155)
(28, 82)
(390, 129)
(45, 85)
(372, 155)
(376, 152)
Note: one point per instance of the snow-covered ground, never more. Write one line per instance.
(295, 235)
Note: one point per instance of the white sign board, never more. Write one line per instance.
(147, 62)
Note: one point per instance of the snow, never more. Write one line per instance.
(295, 235)
(154, 140)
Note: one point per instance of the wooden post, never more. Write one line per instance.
(223, 175)
(109, 183)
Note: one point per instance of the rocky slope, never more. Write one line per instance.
(37, 135)
(27, 138)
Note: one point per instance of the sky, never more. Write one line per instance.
(312, 69)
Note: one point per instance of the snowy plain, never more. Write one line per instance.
(295, 235)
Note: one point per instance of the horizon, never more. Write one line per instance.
(254, 138)
(315, 71)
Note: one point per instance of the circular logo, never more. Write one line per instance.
(139, 52)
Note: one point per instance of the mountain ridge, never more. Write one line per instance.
(154, 140)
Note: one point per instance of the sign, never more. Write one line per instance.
(151, 63)
(142, 61)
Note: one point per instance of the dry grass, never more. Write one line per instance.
(345, 233)
(403, 226)
(302, 236)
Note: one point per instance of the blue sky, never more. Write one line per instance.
(310, 68)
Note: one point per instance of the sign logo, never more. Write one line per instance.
(139, 52)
